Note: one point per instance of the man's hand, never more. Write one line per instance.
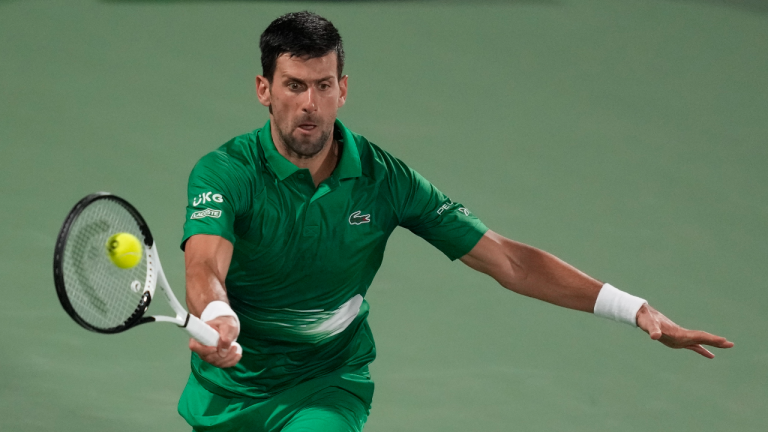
(662, 329)
(224, 355)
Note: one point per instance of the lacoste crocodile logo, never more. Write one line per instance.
(356, 218)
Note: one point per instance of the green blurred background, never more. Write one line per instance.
(629, 138)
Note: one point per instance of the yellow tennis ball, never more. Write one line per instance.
(124, 250)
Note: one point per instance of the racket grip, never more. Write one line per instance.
(205, 334)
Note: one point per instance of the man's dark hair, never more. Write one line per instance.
(300, 34)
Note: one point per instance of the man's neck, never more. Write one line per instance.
(320, 166)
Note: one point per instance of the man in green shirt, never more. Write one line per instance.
(286, 227)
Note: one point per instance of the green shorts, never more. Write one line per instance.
(321, 405)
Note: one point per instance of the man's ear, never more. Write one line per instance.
(263, 91)
(343, 91)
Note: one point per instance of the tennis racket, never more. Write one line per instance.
(99, 295)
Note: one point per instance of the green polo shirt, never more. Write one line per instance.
(304, 256)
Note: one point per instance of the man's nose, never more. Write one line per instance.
(310, 101)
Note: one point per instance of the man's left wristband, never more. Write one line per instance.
(615, 304)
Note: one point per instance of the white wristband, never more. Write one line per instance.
(617, 305)
(216, 309)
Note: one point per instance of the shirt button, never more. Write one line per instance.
(301, 176)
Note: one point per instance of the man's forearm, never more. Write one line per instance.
(203, 287)
(533, 272)
(206, 259)
(543, 276)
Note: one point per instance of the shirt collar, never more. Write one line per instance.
(349, 163)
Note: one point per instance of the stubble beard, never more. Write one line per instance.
(304, 149)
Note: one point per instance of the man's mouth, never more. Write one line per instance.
(307, 127)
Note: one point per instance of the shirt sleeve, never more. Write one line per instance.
(428, 213)
(215, 194)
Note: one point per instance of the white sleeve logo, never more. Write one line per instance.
(206, 197)
(206, 213)
(446, 206)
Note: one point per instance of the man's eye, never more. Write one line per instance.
(293, 86)
(325, 86)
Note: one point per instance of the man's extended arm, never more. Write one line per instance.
(207, 259)
(538, 274)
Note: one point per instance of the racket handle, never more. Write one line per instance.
(205, 334)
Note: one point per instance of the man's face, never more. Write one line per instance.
(303, 98)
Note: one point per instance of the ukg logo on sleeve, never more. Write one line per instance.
(206, 197)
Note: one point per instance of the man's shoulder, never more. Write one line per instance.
(237, 154)
(374, 160)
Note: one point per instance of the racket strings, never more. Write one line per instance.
(101, 293)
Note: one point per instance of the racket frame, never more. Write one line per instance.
(202, 332)
(58, 263)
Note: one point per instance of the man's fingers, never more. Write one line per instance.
(672, 335)
(231, 359)
(200, 349)
(710, 339)
(226, 353)
(701, 350)
(228, 332)
(226, 338)
(224, 362)
(210, 354)
(223, 348)
(213, 354)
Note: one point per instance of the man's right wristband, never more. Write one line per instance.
(216, 309)
(617, 305)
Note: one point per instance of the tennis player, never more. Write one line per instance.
(286, 227)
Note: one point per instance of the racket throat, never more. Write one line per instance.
(146, 299)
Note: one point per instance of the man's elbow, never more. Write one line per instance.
(512, 273)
